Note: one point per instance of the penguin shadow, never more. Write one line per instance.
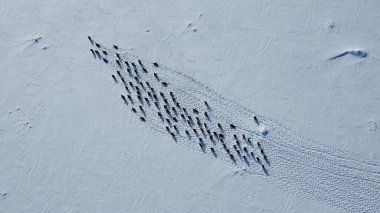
(174, 137)
(142, 110)
(233, 159)
(265, 170)
(115, 79)
(188, 134)
(246, 160)
(156, 76)
(131, 99)
(267, 160)
(93, 53)
(124, 99)
(176, 129)
(213, 152)
(91, 41)
(202, 147)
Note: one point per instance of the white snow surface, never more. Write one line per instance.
(308, 69)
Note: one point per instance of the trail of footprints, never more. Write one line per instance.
(195, 116)
(150, 96)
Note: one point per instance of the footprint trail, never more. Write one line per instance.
(195, 116)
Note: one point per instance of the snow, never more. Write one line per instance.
(68, 143)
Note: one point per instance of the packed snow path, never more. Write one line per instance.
(193, 115)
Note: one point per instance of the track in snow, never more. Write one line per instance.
(281, 157)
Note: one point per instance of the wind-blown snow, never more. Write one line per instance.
(68, 143)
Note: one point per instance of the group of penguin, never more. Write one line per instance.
(195, 123)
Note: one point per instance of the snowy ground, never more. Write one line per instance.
(69, 144)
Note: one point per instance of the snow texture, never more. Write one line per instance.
(308, 70)
(229, 132)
